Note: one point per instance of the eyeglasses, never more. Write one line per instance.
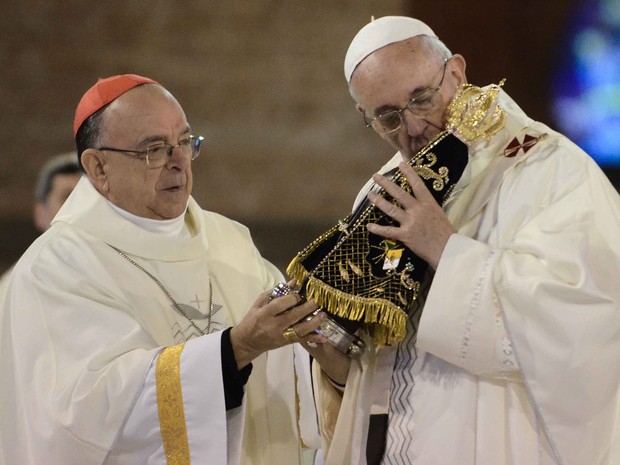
(420, 105)
(157, 155)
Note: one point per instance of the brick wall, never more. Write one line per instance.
(263, 81)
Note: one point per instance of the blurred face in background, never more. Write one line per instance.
(61, 186)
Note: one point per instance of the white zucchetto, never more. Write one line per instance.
(379, 33)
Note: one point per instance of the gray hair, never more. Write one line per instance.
(436, 46)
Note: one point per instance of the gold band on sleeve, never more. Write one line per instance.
(170, 406)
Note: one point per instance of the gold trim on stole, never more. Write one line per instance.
(298, 406)
(170, 406)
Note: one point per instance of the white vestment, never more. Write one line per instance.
(517, 356)
(98, 366)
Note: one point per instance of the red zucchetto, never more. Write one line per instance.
(103, 92)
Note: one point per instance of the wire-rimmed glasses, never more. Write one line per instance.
(157, 155)
(421, 104)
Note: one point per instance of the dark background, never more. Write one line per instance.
(263, 81)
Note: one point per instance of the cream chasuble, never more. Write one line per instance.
(517, 356)
(85, 332)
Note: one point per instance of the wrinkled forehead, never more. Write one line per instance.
(413, 52)
(409, 64)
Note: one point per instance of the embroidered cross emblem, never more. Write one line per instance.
(197, 301)
(528, 142)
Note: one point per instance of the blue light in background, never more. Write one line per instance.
(586, 86)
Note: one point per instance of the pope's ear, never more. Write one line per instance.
(94, 163)
(458, 68)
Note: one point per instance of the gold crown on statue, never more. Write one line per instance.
(474, 114)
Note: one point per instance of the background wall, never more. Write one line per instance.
(263, 81)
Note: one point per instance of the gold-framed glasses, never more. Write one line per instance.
(157, 155)
(420, 104)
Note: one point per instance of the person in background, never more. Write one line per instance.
(57, 178)
(56, 181)
(512, 350)
(141, 328)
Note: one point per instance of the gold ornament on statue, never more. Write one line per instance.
(474, 113)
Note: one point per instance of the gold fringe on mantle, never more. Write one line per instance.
(385, 322)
